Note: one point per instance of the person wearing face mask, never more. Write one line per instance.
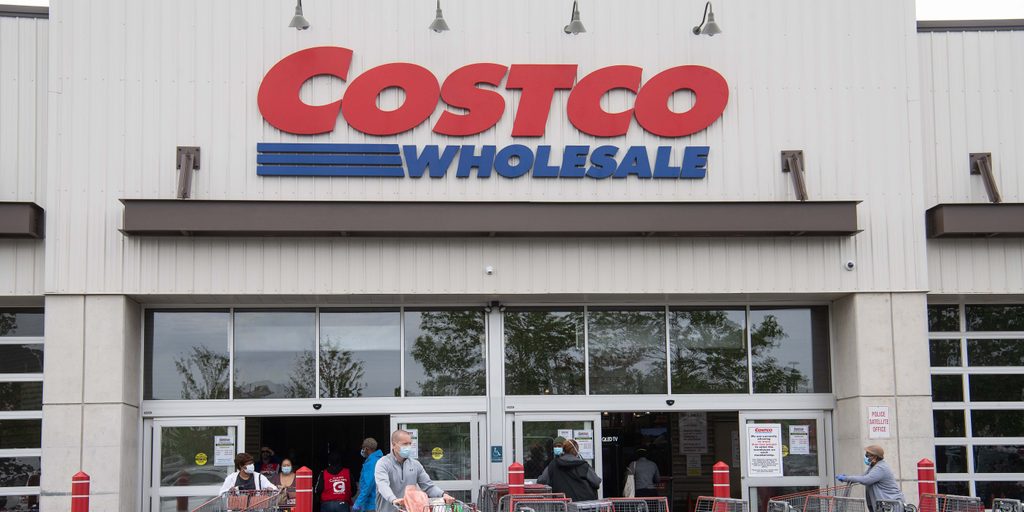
(334, 486)
(245, 477)
(878, 481)
(398, 469)
(570, 474)
(285, 480)
(367, 498)
(268, 464)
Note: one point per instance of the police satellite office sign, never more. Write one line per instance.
(281, 107)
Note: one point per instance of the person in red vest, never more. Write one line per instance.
(334, 485)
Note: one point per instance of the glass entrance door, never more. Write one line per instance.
(448, 447)
(784, 453)
(535, 434)
(189, 460)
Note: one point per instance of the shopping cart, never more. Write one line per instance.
(490, 494)
(591, 506)
(647, 504)
(894, 506)
(1006, 505)
(797, 501)
(950, 503)
(265, 500)
(709, 504)
(505, 503)
(526, 503)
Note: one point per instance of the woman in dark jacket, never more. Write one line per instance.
(572, 475)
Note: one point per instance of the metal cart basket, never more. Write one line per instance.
(265, 500)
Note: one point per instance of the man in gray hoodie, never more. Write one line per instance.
(878, 481)
(398, 469)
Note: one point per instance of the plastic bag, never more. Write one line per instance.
(415, 499)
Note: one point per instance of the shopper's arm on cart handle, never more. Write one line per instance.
(229, 483)
(873, 475)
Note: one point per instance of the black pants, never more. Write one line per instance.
(643, 493)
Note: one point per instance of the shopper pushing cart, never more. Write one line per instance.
(878, 481)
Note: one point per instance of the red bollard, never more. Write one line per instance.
(720, 477)
(80, 492)
(925, 479)
(303, 490)
(516, 479)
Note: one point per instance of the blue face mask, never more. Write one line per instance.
(405, 451)
(558, 451)
(867, 461)
(286, 469)
(362, 453)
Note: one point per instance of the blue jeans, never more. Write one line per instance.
(334, 506)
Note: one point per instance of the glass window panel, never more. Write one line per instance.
(995, 317)
(949, 423)
(19, 472)
(360, 353)
(957, 488)
(178, 449)
(444, 353)
(999, 459)
(20, 434)
(944, 318)
(445, 449)
(951, 459)
(183, 503)
(186, 355)
(947, 388)
(21, 358)
(1008, 423)
(21, 396)
(21, 322)
(995, 352)
(627, 351)
(944, 353)
(988, 491)
(797, 464)
(709, 350)
(538, 441)
(544, 352)
(790, 350)
(997, 388)
(275, 354)
(19, 503)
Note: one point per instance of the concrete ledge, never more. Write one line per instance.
(976, 220)
(169, 217)
(21, 220)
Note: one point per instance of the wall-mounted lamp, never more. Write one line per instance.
(793, 163)
(707, 24)
(981, 163)
(188, 161)
(439, 25)
(575, 26)
(299, 21)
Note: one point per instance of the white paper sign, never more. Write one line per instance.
(692, 464)
(878, 422)
(693, 432)
(764, 455)
(799, 440)
(565, 432)
(585, 438)
(415, 434)
(223, 450)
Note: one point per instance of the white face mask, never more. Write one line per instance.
(250, 468)
(286, 469)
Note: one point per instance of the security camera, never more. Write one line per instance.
(850, 265)
(489, 270)
(317, 406)
(670, 402)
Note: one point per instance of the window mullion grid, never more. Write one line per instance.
(231, 353)
(316, 354)
(668, 352)
(750, 350)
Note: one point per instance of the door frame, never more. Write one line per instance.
(593, 417)
(152, 437)
(823, 440)
(476, 456)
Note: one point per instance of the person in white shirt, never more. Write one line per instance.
(245, 477)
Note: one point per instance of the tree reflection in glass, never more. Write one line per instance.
(627, 351)
(360, 353)
(274, 350)
(709, 351)
(186, 355)
(544, 352)
(445, 353)
(790, 350)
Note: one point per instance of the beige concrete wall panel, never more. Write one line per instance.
(63, 370)
(112, 350)
(62, 454)
(110, 455)
(910, 344)
(823, 90)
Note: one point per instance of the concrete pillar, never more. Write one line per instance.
(91, 401)
(881, 359)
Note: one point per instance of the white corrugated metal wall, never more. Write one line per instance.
(132, 80)
(23, 48)
(973, 101)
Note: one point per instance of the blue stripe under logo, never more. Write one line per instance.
(314, 159)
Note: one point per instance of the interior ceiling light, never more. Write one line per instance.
(575, 26)
(299, 21)
(439, 25)
(710, 28)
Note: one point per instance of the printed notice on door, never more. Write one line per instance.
(585, 438)
(764, 450)
(693, 432)
(799, 440)
(414, 433)
(223, 450)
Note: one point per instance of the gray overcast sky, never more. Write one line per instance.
(926, 9)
